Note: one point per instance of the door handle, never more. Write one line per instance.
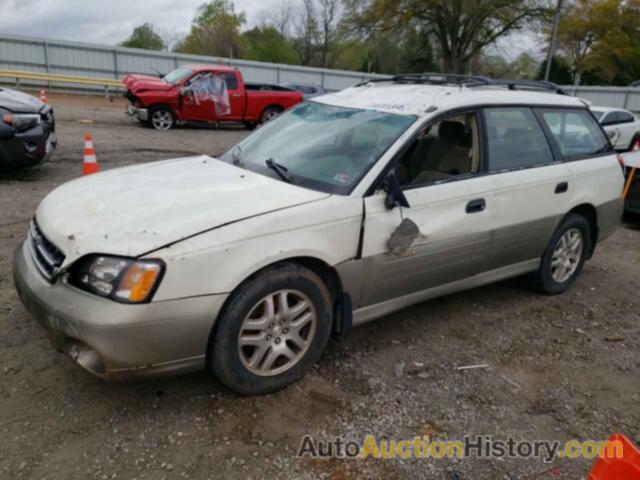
(235, 95)
(475, 206)
(562, 187)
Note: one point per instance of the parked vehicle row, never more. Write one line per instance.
(27, 130)
(341, 210)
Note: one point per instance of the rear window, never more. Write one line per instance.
(576, 132)
(515, 139)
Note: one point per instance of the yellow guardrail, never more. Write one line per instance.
(51, 77)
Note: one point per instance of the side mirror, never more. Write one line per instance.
(395, 196)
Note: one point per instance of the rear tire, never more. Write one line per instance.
(162, 118)
(273, 328)
(564, 256)
(269, 114)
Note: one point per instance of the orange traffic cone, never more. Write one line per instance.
(43, 96)
(618, 460)
(90, 163)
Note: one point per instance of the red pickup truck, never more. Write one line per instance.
(204, 93)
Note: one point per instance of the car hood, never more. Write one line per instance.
(135, 210)
(19, 102)
(140, 83)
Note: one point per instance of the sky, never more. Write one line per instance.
(110, 22)
(107, 21)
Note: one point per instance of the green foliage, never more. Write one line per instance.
(215, 30)
(266, 44)
(144, 36)
(560, 72)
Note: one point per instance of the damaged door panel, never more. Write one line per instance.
(434, 242)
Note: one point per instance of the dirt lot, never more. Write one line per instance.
(564, 367)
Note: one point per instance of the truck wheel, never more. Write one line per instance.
(273, 328)
(162, 118)
(269, 114)
(564, 256)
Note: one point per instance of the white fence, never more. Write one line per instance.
(71, 58)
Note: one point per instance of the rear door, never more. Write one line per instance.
(236, 97)
(532, 188)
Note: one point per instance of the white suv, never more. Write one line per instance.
(340, 211)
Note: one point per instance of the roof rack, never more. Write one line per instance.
(468, 81)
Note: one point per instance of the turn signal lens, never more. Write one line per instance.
(138, 282)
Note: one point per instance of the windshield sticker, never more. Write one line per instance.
(341, 178)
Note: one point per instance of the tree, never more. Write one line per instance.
(267, 44)
(306, 32)
(144, 36)
(560, 71)
(461, 29)
(215, 30)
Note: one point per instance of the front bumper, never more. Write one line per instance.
(141, 114)
(29, 148)
(113, 340)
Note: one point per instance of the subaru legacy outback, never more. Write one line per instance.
(340, 211)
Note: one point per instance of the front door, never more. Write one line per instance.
(451, 203)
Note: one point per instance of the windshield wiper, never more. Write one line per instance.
(281, 170)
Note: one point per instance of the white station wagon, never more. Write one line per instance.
(342, 210)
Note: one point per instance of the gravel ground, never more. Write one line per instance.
(563, 367)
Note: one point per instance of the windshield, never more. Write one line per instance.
(324, 147)
(177, 75)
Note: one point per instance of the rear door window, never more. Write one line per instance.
(625, 117)
(515, 139)
(575, 132)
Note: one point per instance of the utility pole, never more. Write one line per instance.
(554, 38)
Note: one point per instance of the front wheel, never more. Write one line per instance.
(162, 118)
(274, 327)
(564, 256)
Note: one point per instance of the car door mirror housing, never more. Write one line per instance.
(395, 196)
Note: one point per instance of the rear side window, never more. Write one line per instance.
(515, 139)
(232, 82)
(576, 132)
(625, 117)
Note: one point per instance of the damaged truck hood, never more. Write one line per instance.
(135, 210)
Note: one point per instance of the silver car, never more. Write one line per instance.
(342, 210)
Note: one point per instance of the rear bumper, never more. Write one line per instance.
(113, 340)
(141, 114)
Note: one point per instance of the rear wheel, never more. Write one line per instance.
(269, 114)
(564, 256)
(162, 118)
(274, 327)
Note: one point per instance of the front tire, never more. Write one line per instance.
(162, 118)
(564, 256)
(273, 328)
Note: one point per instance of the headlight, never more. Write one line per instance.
(120, 279)
(22, 123)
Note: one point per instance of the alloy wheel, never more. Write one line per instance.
(566, 255)
(277, 332)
